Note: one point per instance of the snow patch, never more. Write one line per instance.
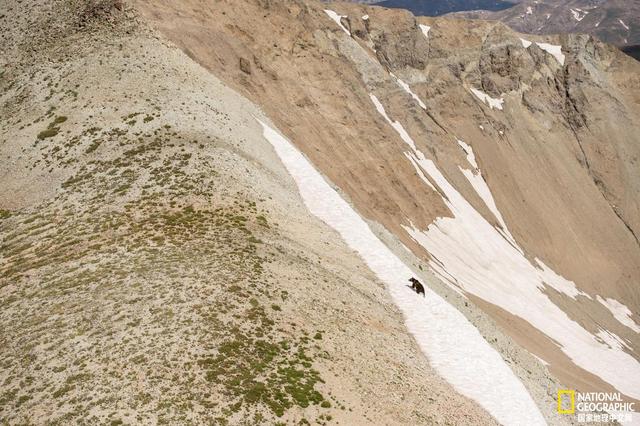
(407, 89)
(612, 339)
(480, 186)
(558, 282)
(578, 14)
(620, 312)
(575, 14)
(396, 125)
(482, 189)
(552, 49)
(492, 102)
(471, 158)
(529, 10)
(626, 27)
(468, 252)
(414, 161)
(337, 19)
(453, 345)
(365, 18)
(425, 30)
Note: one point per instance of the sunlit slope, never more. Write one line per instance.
(540, 229)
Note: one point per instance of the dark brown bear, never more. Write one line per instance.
(417, 286)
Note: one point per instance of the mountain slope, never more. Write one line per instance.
(157, 264)
(547, 193)
(163, 259)
(613, 21)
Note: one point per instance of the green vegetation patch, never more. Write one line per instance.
(49, 133)
(53, 128)
(256, 370)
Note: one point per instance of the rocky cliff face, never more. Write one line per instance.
(537, 136)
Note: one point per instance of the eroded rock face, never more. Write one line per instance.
(405, 47)
(501, 69)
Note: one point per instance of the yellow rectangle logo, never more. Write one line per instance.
(572, 396)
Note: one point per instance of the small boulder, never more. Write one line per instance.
(245, 66)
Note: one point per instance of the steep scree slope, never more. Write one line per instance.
(508, 163)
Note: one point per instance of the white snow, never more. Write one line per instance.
(480, 186)
(558, 282)
(396, 125)
(525, 43)
(337, 19)
(483, 262)
(487, 265)
(611, 339)
(413, 161)
(623, 24)
(425, 30)
(529, 10)
(468, 252)
(492, 102)
(471, 158)
(365, 18)
(578, 14)
(407, 89)
(482, 189)
(554, 50)
(620, 312)
(453, 345)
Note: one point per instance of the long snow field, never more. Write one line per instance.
(452, 344)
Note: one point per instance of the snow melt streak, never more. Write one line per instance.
(338, 19)
(620, 312)
(454, 347)
(483, 261)
(407, 89)
(492, 102)
(482, 189)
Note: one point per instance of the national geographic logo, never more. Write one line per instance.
(566, 401)
(595, 406)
